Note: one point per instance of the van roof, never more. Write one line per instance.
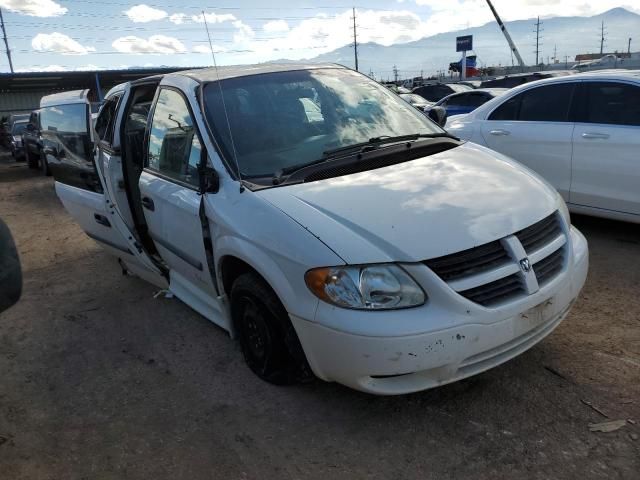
(232, 71)
(64, 98)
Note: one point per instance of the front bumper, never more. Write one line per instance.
(389, 364)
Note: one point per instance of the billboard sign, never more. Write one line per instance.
(464, 44)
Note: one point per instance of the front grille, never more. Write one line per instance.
(547, 268)
(468, 262)
(490, 274)
(496, 292)
(539, 234)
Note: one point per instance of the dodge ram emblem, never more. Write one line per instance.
(525, 265)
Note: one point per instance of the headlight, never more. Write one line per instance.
(365, 287)
(562, 208)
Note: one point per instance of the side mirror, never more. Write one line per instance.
(10, 270)
(438, 115)
(209, 180)
(30, 127)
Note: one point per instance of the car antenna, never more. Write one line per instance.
(224, 106)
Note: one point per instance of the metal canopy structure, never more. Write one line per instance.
(21, 92)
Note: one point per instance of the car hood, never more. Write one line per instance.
(421, 209)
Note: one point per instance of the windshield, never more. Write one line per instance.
(18, 128)
(281, 120)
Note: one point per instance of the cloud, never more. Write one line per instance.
(154, 44)
(178, 18)
(323, 33)
(59, 43)
(275, 26)
(143, 13)
(214, 18)
(34, 8)
(244, 33)
(206, 49)
(47, 68)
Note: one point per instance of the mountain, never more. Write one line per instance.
(570, 35)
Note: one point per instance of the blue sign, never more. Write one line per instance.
(464, 44)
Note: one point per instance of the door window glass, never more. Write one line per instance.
(549, 103)
(508, 110)
(613, 103)
(174, 147)
(68, 125)
(106, 119)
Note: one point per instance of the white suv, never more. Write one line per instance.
(323, 221)
(581, 133)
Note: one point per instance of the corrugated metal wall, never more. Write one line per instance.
(19, 102)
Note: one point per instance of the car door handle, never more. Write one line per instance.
(101, 219)
(148, 203)
(594, 135)
(500, 133)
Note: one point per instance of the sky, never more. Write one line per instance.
(46, 35)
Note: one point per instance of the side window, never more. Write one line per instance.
(477, 99)
(106, 119)
(68, 124)
(457, 100)
(174, 147)
(613, 103)
(508, 110)
(549, 103)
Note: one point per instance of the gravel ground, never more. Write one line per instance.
(99, 380)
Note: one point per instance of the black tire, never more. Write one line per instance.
(32, 162)
(268, 340)
(44, 165)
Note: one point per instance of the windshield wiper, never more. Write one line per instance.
(361, 147)
(375, 142)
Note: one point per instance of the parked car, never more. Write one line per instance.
(437, 91)
(8, 126)
(32, 141)
(16, 147)
(517, 79)
(416, 100)
(467, 102)
(369, 247)
(581, 133)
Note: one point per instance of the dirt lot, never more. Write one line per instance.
(100, 380)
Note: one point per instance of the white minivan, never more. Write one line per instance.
(581, 133)
(355, 241)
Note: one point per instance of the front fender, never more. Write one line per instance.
(245, 226)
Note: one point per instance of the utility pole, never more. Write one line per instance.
(629, 48)
(6, 42)
(537, 24)
(395, 74)
(355, 38)
(602, 35)
(555, 54)
(566, 62)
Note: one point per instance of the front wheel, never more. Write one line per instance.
(268, 340)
